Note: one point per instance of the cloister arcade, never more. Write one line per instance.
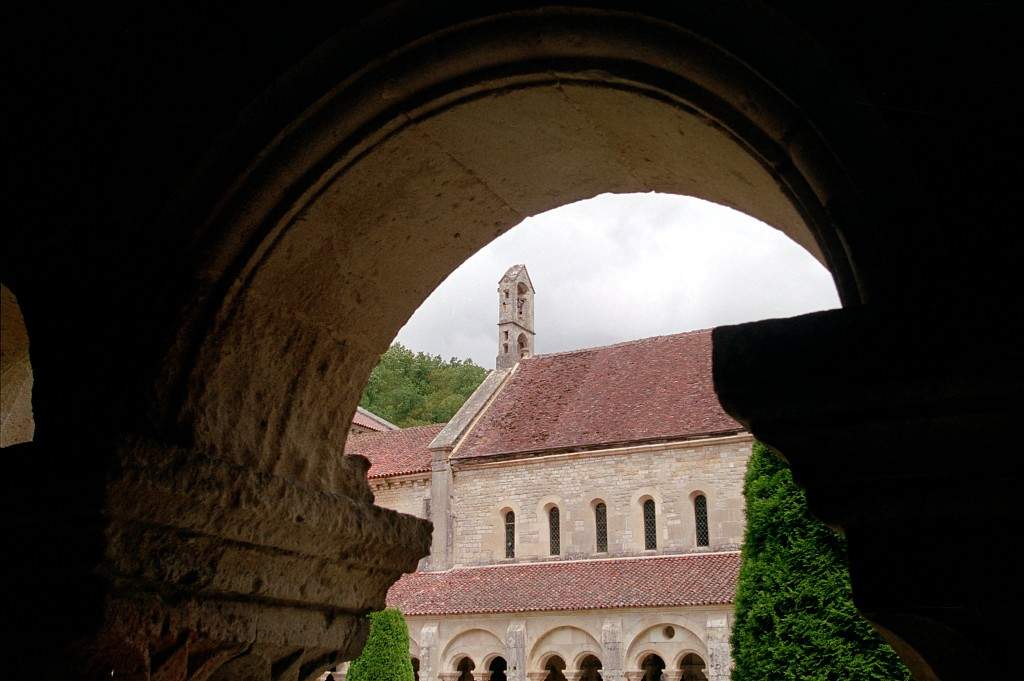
(688, 666)
(560, 647)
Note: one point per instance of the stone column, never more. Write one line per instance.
(449, 676)
(719, 665)
(573, 675)
(537, 676)
(515, 646)
(671, 675)
(440, 511)
(611, 641)
(634, 675)
(429, 651)
(481, 676)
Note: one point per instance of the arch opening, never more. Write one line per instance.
(652, 666)
(501, 148)
(590, 668)
(554, 666)
(498, 668)
(465, 667)
(693, 668)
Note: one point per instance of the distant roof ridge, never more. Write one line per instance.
(400, 429)
(375, 419)
(635, 341)
(660, 556)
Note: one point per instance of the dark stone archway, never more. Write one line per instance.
(204, 207)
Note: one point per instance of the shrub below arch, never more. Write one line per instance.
(386, 655)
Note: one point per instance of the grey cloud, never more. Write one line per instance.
(624, 266)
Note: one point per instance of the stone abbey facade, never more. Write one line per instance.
(587, 510)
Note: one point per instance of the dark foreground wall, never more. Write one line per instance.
(217, 218)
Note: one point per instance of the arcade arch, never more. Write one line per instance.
(475, 643)
(667, 639)
(570, 643)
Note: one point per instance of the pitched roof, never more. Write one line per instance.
(367, 419)
(644, 390)
(661, 581)
(395, 452)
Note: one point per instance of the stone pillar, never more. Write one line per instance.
(429, 651)
(515, 646)
(634, 675)
(573, 675)
(671, 675)
(719, 663)
(611, 641)
(481, 676)
(537, 676)
(440, 511)
(449, 676)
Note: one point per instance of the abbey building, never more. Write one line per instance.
(587, 510)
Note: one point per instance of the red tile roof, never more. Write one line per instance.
(650, 389)
(662, 581)
(395, 452)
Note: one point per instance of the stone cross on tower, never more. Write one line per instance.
(515, 317)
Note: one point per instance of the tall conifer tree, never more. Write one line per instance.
(795, 617)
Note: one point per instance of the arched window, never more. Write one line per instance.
(692, 667)
(554, 667)
(510, 535)
(700, 514)
(652, 667)
(498, 668)
(465, 669)
(554, 531)
(650, 526)
(601, 527)
(590, 669)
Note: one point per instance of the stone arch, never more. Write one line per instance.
(567, 641)
(589, 668)
(258, 210)
(17, 424)
(497, 665)
(352, 196)
(474, 642)
(651, 639)
(692, 664)
(578, 660)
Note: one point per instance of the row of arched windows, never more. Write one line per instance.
(691, 668)
(700, 514)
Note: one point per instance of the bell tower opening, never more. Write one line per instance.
(515, 317)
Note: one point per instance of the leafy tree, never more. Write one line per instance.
(415, 389)
(386, 655)
(795, 617)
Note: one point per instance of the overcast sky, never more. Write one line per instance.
(624, 266)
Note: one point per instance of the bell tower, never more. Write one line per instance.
(515, 317)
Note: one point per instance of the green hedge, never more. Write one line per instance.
(795, 617)
(386, 655)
